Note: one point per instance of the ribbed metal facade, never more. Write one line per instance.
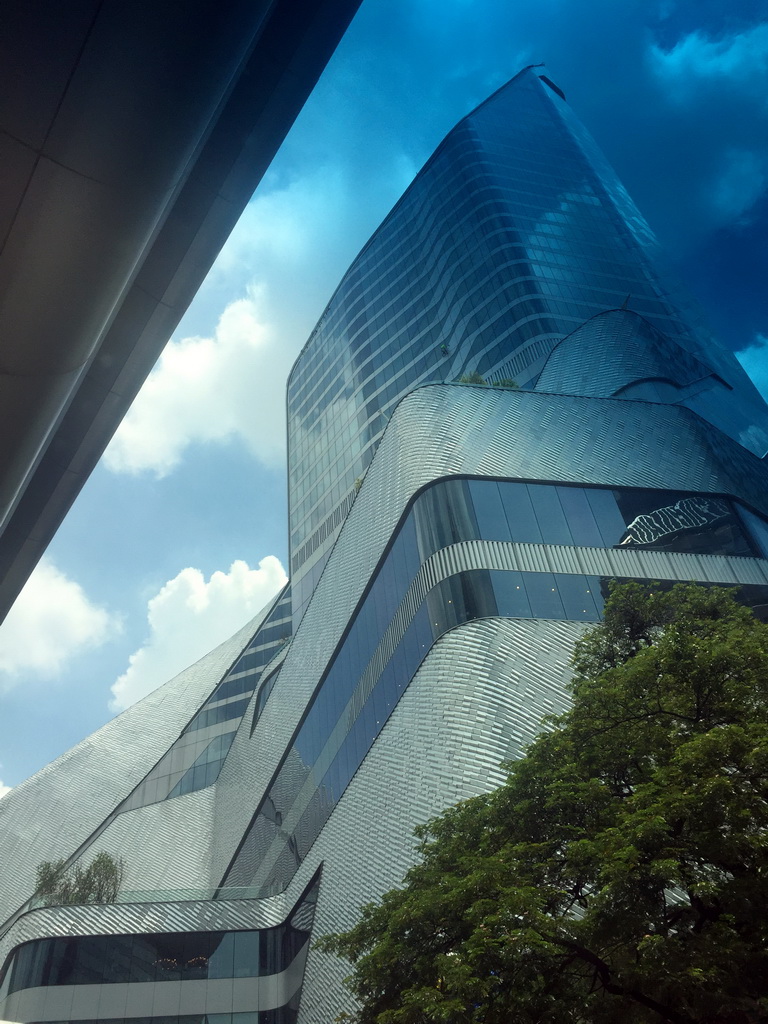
(438, 598)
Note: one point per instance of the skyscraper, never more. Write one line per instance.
(503, 407)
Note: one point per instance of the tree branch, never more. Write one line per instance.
(603, 970)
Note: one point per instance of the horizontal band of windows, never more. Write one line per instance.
(172, 956)
(232, 686)
(206, 769)
(282, 1015)
(477, 509)
(221, 713)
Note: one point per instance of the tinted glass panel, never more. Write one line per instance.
(549, 513)
(607, 516)
(758, 529)
(578, 599)
(544, 596)
(246, 958)
(489, 511)
(168, 956)
(511, 595)
(523, 524)
(581, 520)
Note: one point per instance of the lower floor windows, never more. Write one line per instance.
(171, 956)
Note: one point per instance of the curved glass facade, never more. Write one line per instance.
(172, 956)
(386, 644)
(282, 1015)
(529, 513)
(513, 234)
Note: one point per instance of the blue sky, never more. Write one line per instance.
(179, 536)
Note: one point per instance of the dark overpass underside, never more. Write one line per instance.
(132, 135)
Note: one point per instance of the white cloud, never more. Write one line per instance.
(754, 359)
(51, 621)
(188, 617)
(721, 81)
(740, 56)
(4, 789)
(742, 180)
(208, 389)
(231, 385)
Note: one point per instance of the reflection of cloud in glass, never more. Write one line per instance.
(683, 515)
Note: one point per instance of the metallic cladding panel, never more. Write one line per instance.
(617, 352)
(519, 434)
(141, 918)
(164, 845)
(50, 815)
(610, 562)
(612, 350)
(441, 430)
(476, 700)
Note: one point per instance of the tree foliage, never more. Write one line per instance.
(477, 378)
(98, 882)
(620, 873)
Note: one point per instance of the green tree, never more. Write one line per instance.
(621, 873)
(98, 882)
(477, 378)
